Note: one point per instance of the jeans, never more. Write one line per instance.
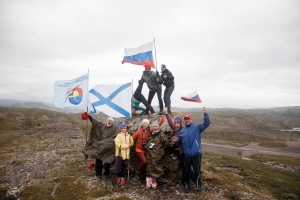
(167, 96)
(160, 101)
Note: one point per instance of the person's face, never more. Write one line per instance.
(177, 125)
(187, 121)
(109, 122)
(124, 129)
(155, 128)
(145, 124)
(163, 69)
(148, 70)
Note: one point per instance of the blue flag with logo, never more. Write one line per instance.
(72, 93)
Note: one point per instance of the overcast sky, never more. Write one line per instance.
(236, 54)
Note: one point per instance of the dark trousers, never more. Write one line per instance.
(124, 168)
(140, 97)
(194, 162)
(160, 101)
(167, 96)
(98, 168)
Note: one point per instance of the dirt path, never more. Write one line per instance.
(293, 149)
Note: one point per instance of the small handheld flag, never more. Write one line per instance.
(193, 97)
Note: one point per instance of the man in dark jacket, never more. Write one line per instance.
(168, 81)
(101, 145)
(190, 138)
(153, 81)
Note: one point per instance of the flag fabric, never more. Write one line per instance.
(113, 100)
(193, 97)
(72, 93)
(141, 55)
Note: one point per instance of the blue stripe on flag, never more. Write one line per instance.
(108, 102)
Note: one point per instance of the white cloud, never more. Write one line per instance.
(234, 53)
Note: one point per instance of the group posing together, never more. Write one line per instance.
(109, 140)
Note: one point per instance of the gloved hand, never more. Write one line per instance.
(141, 81)
(157, 74)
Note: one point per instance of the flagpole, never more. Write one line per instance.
(87, 107)
(155, 54)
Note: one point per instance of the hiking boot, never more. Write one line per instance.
(107, 176)
(99, 177)
(186, 190)
(138, 175)
(161, 112)
(153, 115)
(199, 188)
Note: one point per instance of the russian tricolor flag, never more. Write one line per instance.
(141, 55)
(193, 97)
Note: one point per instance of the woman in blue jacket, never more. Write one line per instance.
(190, 138)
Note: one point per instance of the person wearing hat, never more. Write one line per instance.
(190, 138)
(168, 81)
(153, 81)
(101, 145)
(141, 137)
(155, 150)
(137, 98)
(123, 142)
(176, 127)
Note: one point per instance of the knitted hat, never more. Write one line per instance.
(146, 120)
(177, 120)
(110, 118)
(147, 67)
(163, 66)
(155, 123)
(123, 125)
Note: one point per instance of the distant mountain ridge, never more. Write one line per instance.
(50, 106)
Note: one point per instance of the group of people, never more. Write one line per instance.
(108, 140)
(154, 82)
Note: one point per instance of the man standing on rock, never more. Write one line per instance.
(190, 138)
(102, 145)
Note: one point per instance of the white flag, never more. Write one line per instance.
(72, 93)
(113, 100)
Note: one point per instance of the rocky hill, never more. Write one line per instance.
(41, 159)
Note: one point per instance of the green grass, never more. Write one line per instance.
(279, 183)
(272, 144)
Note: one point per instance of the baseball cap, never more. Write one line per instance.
(163, 66)
(187, 116)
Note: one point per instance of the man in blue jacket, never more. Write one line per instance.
(190, 138)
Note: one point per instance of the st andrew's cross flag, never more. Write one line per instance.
(72, 93)
(192, 97)
(141, 55)
(113, 100)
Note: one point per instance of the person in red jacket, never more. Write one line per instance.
(141, 135)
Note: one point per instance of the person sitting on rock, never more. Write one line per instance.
(155, 150)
